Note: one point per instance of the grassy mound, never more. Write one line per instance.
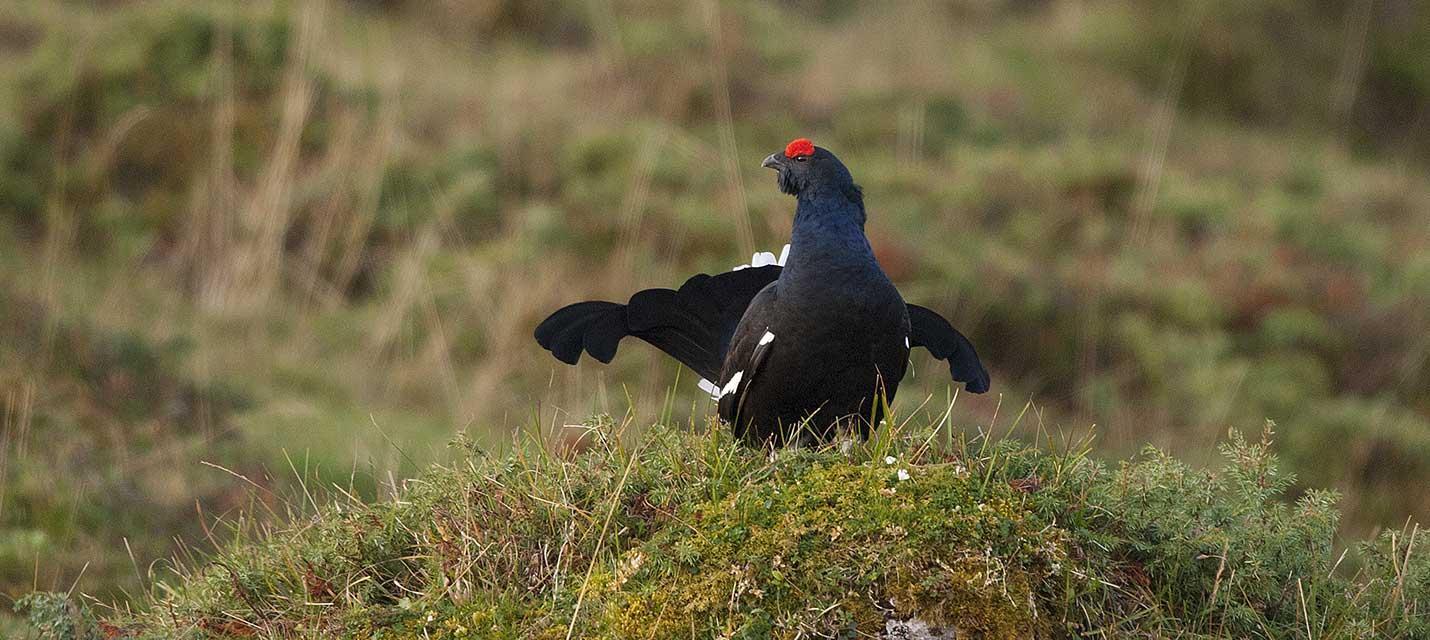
(674, 534)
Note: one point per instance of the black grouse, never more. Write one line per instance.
(795, 348)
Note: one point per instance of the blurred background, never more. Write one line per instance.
(250, 247)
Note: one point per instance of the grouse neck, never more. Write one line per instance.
(828, 234)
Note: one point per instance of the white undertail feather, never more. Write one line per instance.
(710, 388)
(733, 384)
(910, 358)
(765, 259)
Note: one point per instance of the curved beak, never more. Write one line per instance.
(772, 161)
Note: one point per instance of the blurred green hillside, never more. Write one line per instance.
(246, 247)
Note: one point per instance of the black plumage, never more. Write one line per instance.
(692, 324)
(793, 350)
(929, 330)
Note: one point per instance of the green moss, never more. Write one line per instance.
(812, 548)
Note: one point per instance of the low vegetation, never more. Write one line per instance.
(679, 534)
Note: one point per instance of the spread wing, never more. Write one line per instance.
(929, 330)
(694, 324)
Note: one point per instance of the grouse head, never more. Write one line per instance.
(807, 171)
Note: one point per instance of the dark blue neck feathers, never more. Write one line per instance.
(829, 231)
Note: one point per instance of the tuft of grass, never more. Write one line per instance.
(56, 615)
(682, 534)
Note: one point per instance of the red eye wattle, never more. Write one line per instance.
(799, 147)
